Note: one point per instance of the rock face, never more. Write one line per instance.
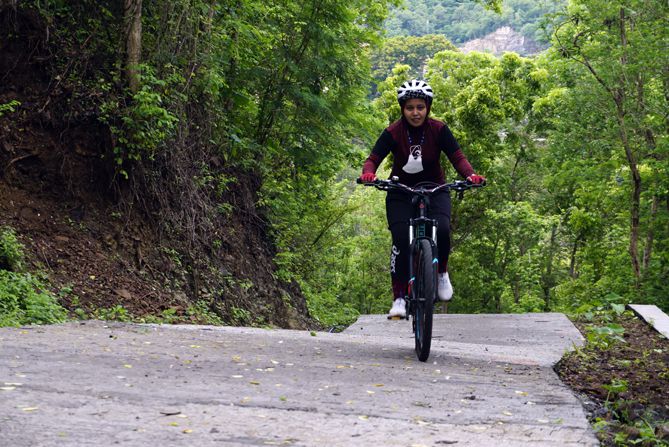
(502, 40)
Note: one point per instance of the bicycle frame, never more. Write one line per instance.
(421, 291)
(418, 226)
(421, 219)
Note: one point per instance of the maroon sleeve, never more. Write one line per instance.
(450, 146)
(382, 148)
(371, 164)
(460, 163)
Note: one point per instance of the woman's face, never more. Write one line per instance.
(415, 111)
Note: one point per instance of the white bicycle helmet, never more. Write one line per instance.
(414, 89)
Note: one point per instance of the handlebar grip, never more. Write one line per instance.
(358, 181)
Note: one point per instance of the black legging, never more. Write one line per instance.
(399, 211)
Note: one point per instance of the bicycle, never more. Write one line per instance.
(421, 294)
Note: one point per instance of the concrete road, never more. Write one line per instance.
(488, 382)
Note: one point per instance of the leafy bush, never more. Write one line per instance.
(23, 297)
(142, 127)
(328, 310)
(11, 251)
(9, 107)
(25, 300)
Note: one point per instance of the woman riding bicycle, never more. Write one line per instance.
(416, 143)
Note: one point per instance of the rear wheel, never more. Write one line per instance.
(425, 285)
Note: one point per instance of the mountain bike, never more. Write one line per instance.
(421, 293)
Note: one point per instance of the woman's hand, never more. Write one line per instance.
(368, 177)
(476, 179)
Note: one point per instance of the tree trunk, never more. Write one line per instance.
(635, 205)
(547, 279)
(572, 260)
(648, 249)
(132, 20)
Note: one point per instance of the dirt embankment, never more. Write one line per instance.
(85, 228)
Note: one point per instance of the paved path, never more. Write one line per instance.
(654, 316)
(487, 382)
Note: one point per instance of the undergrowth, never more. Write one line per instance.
(24, 297)
(623, 370)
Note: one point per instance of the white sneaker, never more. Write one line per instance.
(444, 288)
(399, 308)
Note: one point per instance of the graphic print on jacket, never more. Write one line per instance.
(415, 162)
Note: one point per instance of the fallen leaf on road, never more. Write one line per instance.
(418, 420)
(7, 388)
(187, 430)
(363, 418)
(127, 366)
(29, 409)
(378, 385)
(254, 382)
(507, 413)
(521, 393)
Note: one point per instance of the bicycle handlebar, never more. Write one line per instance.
(393, 185)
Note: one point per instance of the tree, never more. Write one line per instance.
(622, 45)
(132, 19)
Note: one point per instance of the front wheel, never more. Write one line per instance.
(424, 292)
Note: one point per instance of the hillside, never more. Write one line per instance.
(463, 21)
(500, 41)
(104, 247)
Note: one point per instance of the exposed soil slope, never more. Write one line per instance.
(626, 383)
(84, 228)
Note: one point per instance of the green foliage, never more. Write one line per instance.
(9, 107)
(114, 313)
(616, 387)
(461, 21)
(202, 313)
(278, 94)
(407, 50)
(25, 300)
(603, 337)
(11, 250)
(144, 126)
(241, 316)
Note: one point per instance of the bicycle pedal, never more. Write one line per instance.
(395, 317)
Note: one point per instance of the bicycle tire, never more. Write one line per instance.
(425, 273)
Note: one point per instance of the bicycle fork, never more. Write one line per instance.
(418, 230)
